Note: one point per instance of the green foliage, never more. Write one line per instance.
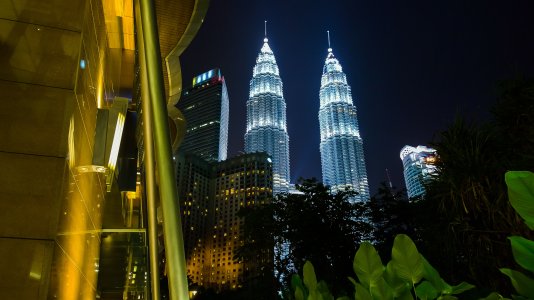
(493, 296)
(367, 264)
(407, 262)
(309, 288)
(406, 276)
(522, 283)
(523, 251)
(521, 193)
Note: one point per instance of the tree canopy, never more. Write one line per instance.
(314, 225)
(465, 218)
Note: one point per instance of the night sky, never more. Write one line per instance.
(412, 66)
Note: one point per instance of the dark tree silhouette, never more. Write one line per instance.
(465, 218)
(316, 225)
(390, 213)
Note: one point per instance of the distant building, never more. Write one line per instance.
(418, 166)
(342, 157)
(266, 117)
(205, 108)
(211, 195)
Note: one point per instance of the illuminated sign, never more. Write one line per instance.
(206, 76)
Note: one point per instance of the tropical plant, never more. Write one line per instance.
(521, 194)
(406, 276)
(309, 288)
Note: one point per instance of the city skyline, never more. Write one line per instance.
(412, 67)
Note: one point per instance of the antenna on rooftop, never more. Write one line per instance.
(389, 179)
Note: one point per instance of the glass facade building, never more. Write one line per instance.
(419, 165)
(342, 158)
(205, 108)
(266, 117)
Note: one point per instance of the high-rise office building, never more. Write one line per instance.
(205, 108)
(342, 158)
(419, 165)
(266, 117)
(211, 195)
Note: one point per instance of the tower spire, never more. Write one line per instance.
(265, 39)
(329, 48)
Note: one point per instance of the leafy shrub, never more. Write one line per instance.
(408, 274)
(521, 195)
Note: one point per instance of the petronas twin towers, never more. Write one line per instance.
(266, 117)
(341, 146)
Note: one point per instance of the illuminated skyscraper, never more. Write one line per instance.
(418, 167)
(266, 117)
(205, 108)
(342, 158)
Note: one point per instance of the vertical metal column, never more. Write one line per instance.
(150, 174)
(172, 226)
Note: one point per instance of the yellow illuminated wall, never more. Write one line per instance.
(52, 197)
(54, 75)
(75, 267)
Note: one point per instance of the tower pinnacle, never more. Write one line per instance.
(329, 48)
(265, 40)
